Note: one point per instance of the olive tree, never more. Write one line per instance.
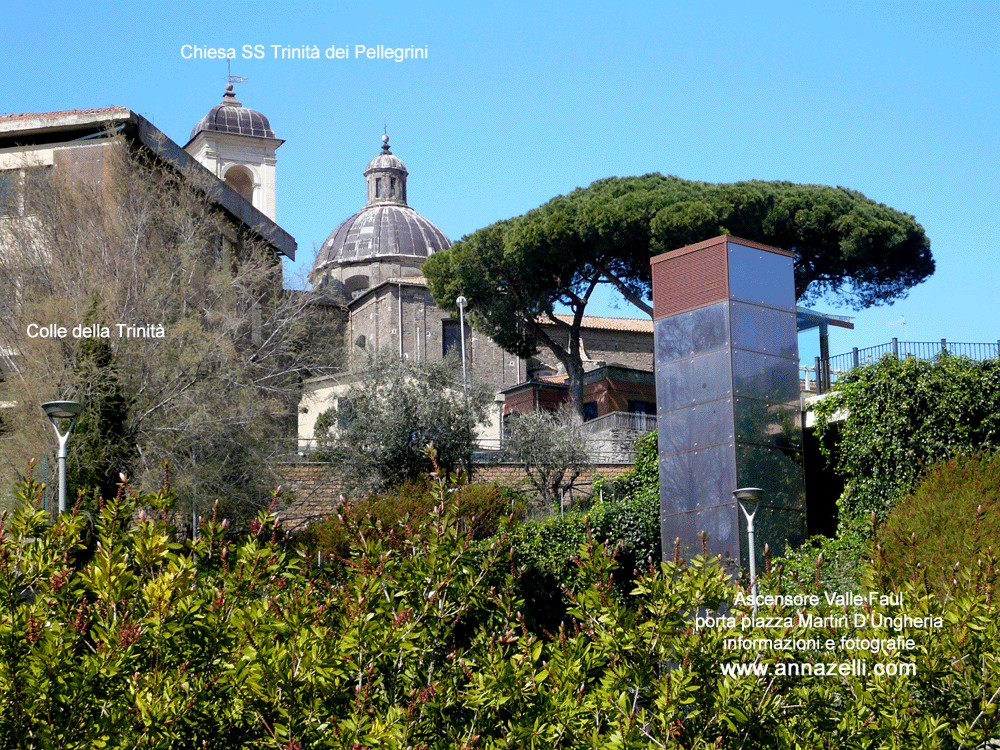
(376, 435)
(552, 448)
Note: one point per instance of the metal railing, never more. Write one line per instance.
(825, 372)
(489, 450)
(620, 420)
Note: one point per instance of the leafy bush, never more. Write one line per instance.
(545, 553)
(480, 507)
(946, 523)
(154, 644)
(837, 563)
(376, 435)
(224, 645)
(900, 416)
(643, 480)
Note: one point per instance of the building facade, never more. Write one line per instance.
(370, 264)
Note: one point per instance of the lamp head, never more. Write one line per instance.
(461, 302)
(62, 409)
(748, 494)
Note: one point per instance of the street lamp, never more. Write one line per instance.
(750, 496)
(462, 302)
(56, 412)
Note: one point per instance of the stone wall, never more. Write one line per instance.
(379, 318)
(630, 348)
(315, 490)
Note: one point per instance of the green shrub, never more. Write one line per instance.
(900, 416)
(644, 477)
(948, 521)
(223, 645)
(480, 509)
(545, 553)
(836, 563)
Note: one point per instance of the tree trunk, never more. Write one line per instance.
(574, 372)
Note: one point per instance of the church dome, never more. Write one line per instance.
(385, 160)
(232, 117)
(386, 227)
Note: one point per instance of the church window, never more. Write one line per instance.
(392, 187)
(451, 337)
(378, 187)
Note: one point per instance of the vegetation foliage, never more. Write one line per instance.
(946, 523)
(376, 434)
(147, 245)
(103, 445)
(480, 509)
(898, 417)
(551, 447)
(218, 644)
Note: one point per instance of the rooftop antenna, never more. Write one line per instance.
(231, 78)
(901, 322)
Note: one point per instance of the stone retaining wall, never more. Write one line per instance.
(315, 490)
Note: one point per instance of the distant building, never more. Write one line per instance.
(371, 265)
(368, 268)
(77, 141)
(231, 166)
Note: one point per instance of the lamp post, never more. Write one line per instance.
(56, 412)
(751, 497)
(462, 302)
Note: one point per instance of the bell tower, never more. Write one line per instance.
(237, 145)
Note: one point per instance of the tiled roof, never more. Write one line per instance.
(636, 325)
(65, 113)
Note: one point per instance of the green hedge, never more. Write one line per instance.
(950, 522)
(220, 645)
(899, 417)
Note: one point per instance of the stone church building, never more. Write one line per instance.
(370, 264)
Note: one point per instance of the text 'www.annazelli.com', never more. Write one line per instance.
(852, 668)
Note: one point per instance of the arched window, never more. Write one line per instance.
(240, 180)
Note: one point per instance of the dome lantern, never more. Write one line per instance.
(386, 177)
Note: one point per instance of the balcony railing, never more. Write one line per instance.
(819, 377)
(620, 420)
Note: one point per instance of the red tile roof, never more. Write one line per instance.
(637, 325)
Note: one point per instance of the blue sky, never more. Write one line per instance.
(516, 104)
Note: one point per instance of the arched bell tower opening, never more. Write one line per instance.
(241, 180)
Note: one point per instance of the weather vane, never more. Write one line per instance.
(232, 78)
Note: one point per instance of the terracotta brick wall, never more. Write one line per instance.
(315, 490)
